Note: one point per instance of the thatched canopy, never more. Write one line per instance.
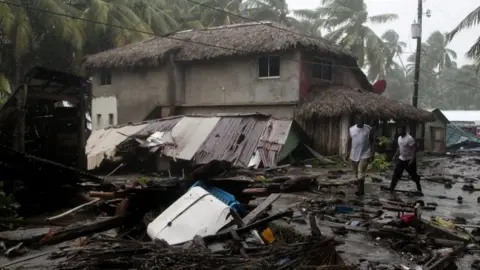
(340, 100)
(248, 38)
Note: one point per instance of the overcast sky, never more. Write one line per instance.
(445, 15)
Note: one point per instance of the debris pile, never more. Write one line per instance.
(220, 216)
(130, 254)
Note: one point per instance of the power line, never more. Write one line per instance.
(179, 39)
(183, 40)
(152, 33)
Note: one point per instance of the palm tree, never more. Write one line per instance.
(26, 29)
(346, 20)
(310, 22)
(99, 36)
(437, 53)
(270, 10)
(471, 20)
(385, 57)
(210, 17)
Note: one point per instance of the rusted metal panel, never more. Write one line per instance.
(102, 142)
(187, 136)
(234, 139)
(272, 140)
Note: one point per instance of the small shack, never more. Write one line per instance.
(436, 132)
(46, 117)
(328, 114)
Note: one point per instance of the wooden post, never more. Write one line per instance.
(19, 139)
(81, 162)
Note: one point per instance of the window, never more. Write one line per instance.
(268, 66)
(322, 69)
(105, 77)
(99, 120)
(110, 119)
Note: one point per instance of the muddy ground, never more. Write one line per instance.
(359, 247)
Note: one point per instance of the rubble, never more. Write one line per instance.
(153, 221)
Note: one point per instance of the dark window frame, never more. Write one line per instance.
(269, 75)
(325, 74)
(105, 77)
(111, 119)
(99, 119)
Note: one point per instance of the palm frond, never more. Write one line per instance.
(383, 18)
(472, 19)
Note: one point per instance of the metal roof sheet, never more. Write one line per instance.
(161, 125)
(187, 136)
(462, 116)
(103, 142)
(272, 140)
(234, 139)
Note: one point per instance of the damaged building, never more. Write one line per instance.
(249, 140)
(267, 70)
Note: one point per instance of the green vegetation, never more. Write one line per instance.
(379, 164)
(29, 37)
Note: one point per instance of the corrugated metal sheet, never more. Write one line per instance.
(187, 136)
(234, 139)
(273, 138)
(103, 142)
(462, 116)
(161, 125)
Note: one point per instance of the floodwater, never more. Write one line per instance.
(359, 247)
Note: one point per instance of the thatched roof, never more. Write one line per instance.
(340, 100)
(248, 38)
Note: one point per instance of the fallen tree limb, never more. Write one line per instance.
(71, 233)
(73, 210)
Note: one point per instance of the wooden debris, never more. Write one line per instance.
(261, 208)
(70, 233)
(73, 210)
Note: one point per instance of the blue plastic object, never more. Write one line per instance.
(223, 196)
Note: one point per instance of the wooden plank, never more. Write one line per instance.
(261, 208)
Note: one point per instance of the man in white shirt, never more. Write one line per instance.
(362, 151)
(405, 158)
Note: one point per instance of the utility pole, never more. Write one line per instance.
(418, 53)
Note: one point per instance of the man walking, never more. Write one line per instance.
(362, 151)
(405, 159)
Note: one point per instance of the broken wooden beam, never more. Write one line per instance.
(73, 210)
(261, 208)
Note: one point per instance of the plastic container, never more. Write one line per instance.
(197, 212)
(223, 196)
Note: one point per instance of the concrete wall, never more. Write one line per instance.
(278, 111)
(102, 107)
(137, 93)
(226, 85)
(235, 81)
